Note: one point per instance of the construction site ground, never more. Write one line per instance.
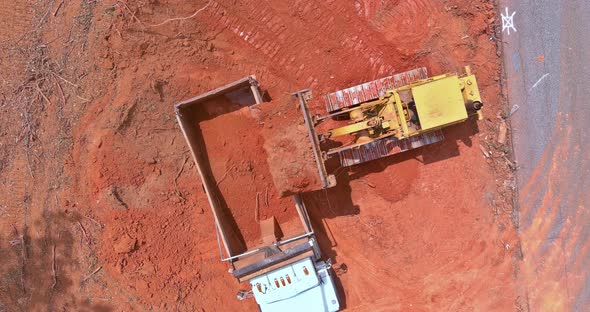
(102, 209)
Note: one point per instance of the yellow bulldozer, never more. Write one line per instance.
(387, 116)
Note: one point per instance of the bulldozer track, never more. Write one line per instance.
(386, 147)
(370, 90)
(289, 51)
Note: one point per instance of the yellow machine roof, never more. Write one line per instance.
(439, 103)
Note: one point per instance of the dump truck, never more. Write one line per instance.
(285, 273)
(362, 123)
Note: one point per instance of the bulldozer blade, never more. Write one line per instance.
(371, 90)
(359, 154)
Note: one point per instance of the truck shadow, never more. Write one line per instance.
(198, 114)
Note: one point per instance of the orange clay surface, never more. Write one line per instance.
(101, 206)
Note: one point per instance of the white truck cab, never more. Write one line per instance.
(300, 286)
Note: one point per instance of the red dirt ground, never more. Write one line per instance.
(97, 178)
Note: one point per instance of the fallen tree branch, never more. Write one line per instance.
(91, 274)
(65, 80)
(180, 18)
(367, 183)
(43, 95)
(53, 271)
(178, 176)
(225, 175)
(21, 241)
(118, 198)
(29, 163)
(58, 7)
(256, 216)
(95, 222)
(180, 171)
(165, 21)
(484, 152)
(83, 99)
(61, 90)
(131, 12)
(84, 232)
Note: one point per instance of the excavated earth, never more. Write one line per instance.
(102, 208)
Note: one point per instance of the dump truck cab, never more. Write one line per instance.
(305, 285)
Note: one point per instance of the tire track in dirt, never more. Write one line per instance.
(447, 267)
(367, 48)
(20, 13)
(290, 51)
(260, 39)
(385, 17)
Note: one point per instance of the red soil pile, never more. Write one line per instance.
(289, 150)
(238, 162)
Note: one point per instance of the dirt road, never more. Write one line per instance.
(546, 65)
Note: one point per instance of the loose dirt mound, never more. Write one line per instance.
(88, 120)
(233, 143)
(287, 144)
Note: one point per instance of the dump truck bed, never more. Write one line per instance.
(224, 131)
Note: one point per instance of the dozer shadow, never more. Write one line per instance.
(337, 201)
